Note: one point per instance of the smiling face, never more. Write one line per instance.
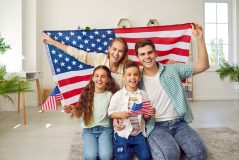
(116, 52)
(131, 77)
(147, 57)
(100, 78)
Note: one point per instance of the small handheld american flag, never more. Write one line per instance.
(50, 103)
(141, 108)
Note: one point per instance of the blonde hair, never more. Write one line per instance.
(124, 59)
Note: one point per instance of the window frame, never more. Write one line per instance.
(230, 30)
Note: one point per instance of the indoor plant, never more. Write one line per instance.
(227, 70)
(10, 83)
(3, 46)
(231, 71)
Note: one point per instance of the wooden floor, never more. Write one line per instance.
(47, 136)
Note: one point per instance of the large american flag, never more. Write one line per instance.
(172, 43)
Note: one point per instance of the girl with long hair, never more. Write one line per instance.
(92, 109)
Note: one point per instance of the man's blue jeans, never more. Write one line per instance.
(125, 148)
(97, 143)
(168, 138)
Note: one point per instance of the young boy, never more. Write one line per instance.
(132, 137)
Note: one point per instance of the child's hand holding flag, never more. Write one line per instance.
(150, 113)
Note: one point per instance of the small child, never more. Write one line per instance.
(92, 108)
(131, 139)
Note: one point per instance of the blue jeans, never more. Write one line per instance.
(125, 148)
(168, 138)
(97, 142)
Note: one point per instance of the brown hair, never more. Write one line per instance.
(129, 65)
(124, 59)
(85, 104)
(142, 43)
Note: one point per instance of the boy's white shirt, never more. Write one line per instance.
(119, 102)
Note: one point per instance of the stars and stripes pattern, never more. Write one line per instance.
(172, 43)
(51, 101)
(141, 108)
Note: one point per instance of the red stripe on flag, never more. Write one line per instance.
(59, 97)
(159, 40)
(50, 104)
(72, 80)
(177, 51)
(154, 28)
(74, 104)
(72, 93)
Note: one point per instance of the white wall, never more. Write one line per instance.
(11, 30)
(106, 13)
(32, 22)
(62, 15)
(29, 34)
(236, 36)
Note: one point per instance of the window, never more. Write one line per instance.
(11, 31)
(217, 18)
